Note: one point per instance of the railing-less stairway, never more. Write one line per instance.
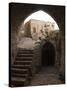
(21, 69)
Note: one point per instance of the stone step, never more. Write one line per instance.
(25, 52)
(23, 62)
(20, 71)
(21, 66)
(23, 59)
(24, 55)
(20, 49)
(25, 75)
(18, 81)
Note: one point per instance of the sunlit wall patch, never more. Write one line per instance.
(43, 16)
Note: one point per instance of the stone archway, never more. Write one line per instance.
(48, 54)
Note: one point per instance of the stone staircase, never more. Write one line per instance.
(21, 69)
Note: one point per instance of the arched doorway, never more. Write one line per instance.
(48, 54)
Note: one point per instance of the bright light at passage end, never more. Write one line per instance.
(43, 16)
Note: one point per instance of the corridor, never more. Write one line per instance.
(46, 76)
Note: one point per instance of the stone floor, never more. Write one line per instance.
(46, 76)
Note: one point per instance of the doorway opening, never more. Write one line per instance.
(48, 54)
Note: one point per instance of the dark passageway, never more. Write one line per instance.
(48, 54)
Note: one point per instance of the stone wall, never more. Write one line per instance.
(13, 45)
(36, 64)
(62, 62)
(37, 53)
(17, 34)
